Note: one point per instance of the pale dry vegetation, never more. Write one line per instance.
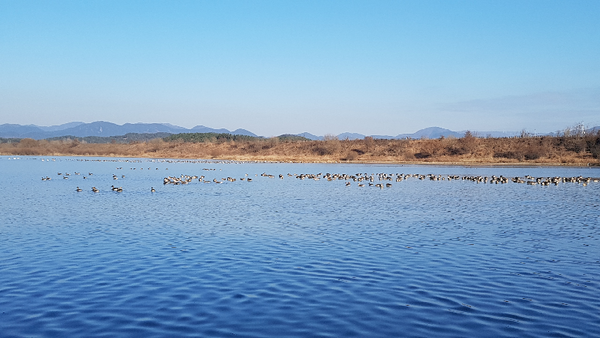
(574, 149)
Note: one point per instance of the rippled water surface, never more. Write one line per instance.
(295, 258)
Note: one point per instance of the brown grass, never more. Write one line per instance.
(570, 150)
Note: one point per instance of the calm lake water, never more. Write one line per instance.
(294, 258)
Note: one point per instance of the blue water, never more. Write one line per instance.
(293, 258)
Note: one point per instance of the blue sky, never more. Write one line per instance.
(273, 67)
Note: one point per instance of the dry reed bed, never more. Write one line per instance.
(526, 150)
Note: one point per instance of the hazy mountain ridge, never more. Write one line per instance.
(60, 126)
(127, 138)
(310, 136)
(104, 129)
(108, 129)
(430, 132)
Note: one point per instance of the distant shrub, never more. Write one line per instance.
(252, 147)
(509, 154)
(320, 150)
(329, 146)
(369, 143)
(575, 144)
(593, 146)
(28, 143)
(214, 153)
(422, 155)
(535, 151)
(453, 150)
(350, 156)
(468, 143)
(270, 143)
(330, 137)
(532, 155)
(595, 151)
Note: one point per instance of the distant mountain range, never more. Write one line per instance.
(104, 129)
(431, 132)
(107, 129)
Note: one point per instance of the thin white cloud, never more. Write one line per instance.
(544, 110)
(585, 99)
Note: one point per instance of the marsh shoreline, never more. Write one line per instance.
(466, 151)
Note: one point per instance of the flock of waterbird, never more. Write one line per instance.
(381, 180)
(377, 180)
(115, 177)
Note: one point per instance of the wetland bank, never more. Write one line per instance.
(295, 257)
(568, 149)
